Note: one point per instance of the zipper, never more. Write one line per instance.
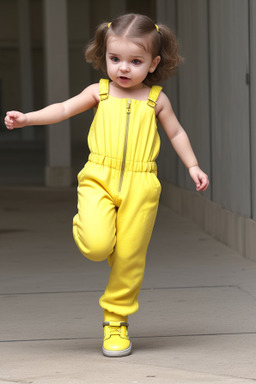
(128, 112)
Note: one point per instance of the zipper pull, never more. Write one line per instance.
(128, 106)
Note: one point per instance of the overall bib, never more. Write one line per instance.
(118, 194)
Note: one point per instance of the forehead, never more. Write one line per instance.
(134, 46)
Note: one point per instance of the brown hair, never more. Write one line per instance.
(161, 41)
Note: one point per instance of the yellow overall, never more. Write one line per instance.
(118, 194)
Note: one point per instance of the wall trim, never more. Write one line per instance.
(237, 232)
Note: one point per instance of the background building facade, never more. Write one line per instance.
(214, 96)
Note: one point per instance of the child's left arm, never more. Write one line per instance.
(180, 142)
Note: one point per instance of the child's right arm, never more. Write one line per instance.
(55, 113)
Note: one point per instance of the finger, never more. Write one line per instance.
(8, 122)
(204, 184)
(9, 126)
(197, 183)
(10, 114)
(13, 115)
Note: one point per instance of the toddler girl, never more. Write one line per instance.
(118, 189)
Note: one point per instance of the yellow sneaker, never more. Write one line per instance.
(116, 340)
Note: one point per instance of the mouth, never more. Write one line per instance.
(124, 78)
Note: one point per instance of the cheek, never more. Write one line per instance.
(109, 65)
(144, 69)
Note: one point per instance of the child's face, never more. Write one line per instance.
(128, 63)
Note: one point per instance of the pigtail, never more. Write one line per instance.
(96, 49)
(168, 50)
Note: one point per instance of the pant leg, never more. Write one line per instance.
(135, 221)
(94, 226)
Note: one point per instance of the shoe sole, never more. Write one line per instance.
(123, 353)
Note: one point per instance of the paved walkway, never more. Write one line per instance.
(196, 322)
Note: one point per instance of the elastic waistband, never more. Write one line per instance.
(135, 166)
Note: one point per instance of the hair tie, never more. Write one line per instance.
(109, 24)
(157, 28)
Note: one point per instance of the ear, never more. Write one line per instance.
(154, 64)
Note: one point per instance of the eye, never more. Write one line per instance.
(136, 61)
(114, 59)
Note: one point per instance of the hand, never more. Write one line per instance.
(15, 119)
(199, 177)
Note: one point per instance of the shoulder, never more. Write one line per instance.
(93, 91)
(163, 99)
(163, 104)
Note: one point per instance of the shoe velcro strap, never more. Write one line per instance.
(115, 324)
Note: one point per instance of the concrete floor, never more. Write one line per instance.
(196, 322)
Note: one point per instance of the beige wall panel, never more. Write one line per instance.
(230, 105)
(167, 160)
(253, 102)
(194, 103)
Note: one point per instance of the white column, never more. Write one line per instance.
(58, 169)
(26, 73)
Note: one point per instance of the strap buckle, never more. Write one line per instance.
(151, 102)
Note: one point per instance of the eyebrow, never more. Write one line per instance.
(116, 54)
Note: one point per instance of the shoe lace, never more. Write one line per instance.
(115, 330)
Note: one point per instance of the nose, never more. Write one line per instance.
(124, 67)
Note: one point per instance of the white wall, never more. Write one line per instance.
(167, 160)
(229, 54)
(194, 97)
(215, 104)
(252, 13)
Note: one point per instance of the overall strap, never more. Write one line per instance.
(103, 89)
(153, 95)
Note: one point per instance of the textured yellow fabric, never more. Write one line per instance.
(106, 136)
(118, 194)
